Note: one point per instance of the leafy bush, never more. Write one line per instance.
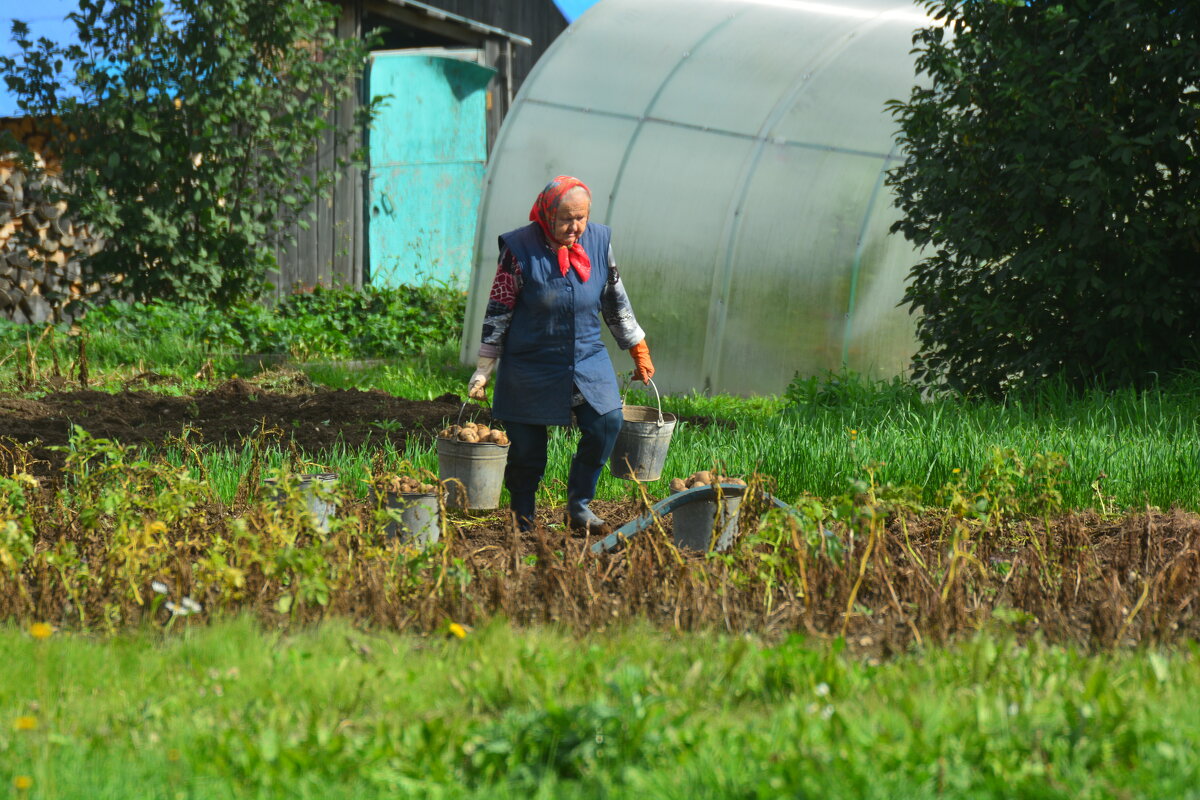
(324, 323)
(371, 322)
(1050, 177)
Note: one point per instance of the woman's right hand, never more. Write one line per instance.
(477, 385)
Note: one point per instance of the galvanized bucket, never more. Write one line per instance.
(705, 524)
(641, 448)
(322, 509)
(420, 520)
(472, 472)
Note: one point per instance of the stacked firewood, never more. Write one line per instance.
(41, 247)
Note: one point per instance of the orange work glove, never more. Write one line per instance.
(643, 369)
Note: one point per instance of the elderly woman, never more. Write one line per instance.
(555, 279)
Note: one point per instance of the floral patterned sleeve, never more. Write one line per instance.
(617, 310)
(503, 299)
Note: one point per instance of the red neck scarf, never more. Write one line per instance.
(544, 213)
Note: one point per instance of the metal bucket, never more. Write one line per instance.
(694, 525)
(322, 509)
(472, 472)
(420, 520)
(641, 448)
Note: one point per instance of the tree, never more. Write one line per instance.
(182, 128)
(1051, 178)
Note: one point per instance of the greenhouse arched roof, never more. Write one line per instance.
(738, 148)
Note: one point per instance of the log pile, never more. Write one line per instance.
(41, 246)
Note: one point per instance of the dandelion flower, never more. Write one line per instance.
(26, 723)
(457, 630)
(853, 432)
(955, 471)
(40, 630)
(22, 783)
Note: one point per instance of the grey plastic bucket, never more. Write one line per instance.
(420, 520)
(472, 472)
(641, 448)
(694, 524)
(322, 509)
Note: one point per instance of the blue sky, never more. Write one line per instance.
(573, 8)
(47, 19)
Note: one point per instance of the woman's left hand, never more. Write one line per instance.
(643, 367)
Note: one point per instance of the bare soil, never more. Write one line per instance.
(313, 418)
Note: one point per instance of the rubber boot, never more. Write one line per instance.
(598, 436)
(524, 508)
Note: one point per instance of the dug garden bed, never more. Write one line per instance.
(90, 556)
(312, 418)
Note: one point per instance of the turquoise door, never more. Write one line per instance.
(427, 149)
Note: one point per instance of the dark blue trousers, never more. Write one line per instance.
(527, 461)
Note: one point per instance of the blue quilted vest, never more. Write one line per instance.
(553, 342)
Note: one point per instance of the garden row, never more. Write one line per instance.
(127, 539)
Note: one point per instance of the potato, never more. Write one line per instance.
(468, 436)
(483, 432)
(703, 477)
(404, 484)
(497, 437)
(677, 485)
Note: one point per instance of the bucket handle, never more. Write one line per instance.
(462, 409)
(657, 397)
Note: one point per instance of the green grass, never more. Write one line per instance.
(1146, 445)
(235, 711)
(424, 377)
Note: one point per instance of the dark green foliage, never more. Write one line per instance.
(372, 322)
(325, 323)
(1051, 178)
(568, 743)
(182, 128)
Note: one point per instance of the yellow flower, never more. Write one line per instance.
(853, 432)
(40, 630)
(956, 470)
(22, 782)
(457, 630)
(26, 723)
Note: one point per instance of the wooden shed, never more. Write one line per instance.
(405, 212)
(374, 229)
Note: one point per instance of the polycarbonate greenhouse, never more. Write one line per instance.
(738, 149)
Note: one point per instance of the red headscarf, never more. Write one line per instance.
(544, 212)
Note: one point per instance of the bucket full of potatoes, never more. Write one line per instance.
(471, 459)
